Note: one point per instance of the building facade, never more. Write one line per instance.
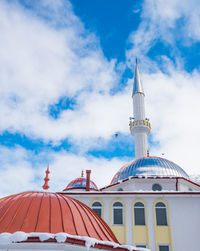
(151, 202)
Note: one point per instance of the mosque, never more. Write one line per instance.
(150, 203)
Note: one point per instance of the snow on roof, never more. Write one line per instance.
(18, 237)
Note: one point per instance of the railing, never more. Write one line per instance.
(139, 122)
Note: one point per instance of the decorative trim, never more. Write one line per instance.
(80, 242)
(133, 193)
(150, 178)
(146, 220)
(81, 188)
(168, 222)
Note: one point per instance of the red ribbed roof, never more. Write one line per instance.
(51, 213)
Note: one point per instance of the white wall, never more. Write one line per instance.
(184, 213)
(185, 185)
(185, 221)
(42, 247)
(141, 184)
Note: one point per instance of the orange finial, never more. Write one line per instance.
(147, 153)
(46, 179)
(82, 174)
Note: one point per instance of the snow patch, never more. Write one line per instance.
(61, 237)
(8, 238)
(89, 242)
(5, 238)
(18, 236)
(42, 236)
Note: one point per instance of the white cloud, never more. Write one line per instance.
(39, 64)
(22, 170)
(65, 167)
(169, 22)
(16, 171)
(173, 103)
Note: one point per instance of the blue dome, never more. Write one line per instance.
(80, 183)
(149, 167)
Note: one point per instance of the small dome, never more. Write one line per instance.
(51, 213)
(80, 183)
(149, 167)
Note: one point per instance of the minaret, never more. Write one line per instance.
(139, 124)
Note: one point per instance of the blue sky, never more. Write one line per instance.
(66, 75)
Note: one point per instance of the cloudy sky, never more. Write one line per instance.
(66, 75)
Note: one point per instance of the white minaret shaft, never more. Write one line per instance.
(139, 125)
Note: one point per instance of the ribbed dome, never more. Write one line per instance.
(149, 167)
(80, 183)
(51, 213)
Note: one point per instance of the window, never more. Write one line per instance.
(156, 187)
(118, 209)
(161, 214)
(141, 246)
(97, 208)
(163, 247)
(139, 214)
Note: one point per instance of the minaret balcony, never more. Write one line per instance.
(140, 127)
(139, 123)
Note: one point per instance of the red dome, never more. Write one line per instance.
(51, 213)
(80, 183)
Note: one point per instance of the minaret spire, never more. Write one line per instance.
(139, 125)
(137, 85)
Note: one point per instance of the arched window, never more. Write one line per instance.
(156, 187)
(161, 214)
(97, 208)
(139, 214)
(118, 213)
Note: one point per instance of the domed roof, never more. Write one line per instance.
(80, 183)
(51, 213)
(149, 167)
